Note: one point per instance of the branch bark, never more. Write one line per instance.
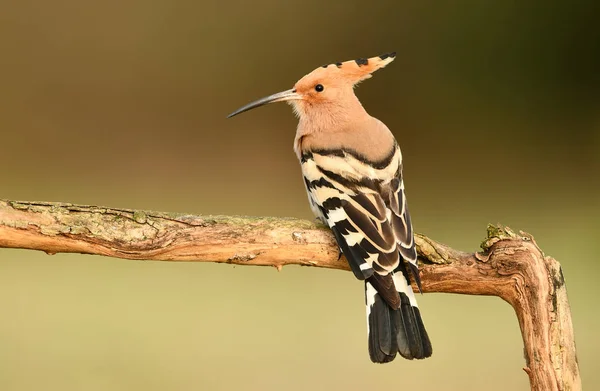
(510, 265)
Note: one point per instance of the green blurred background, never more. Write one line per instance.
(123, 104)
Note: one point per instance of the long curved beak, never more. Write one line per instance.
(278, 97)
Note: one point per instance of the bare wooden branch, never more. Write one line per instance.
(511, 266)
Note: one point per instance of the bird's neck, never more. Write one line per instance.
(327, 121)
(329, 116)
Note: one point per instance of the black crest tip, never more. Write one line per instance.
(386, 55)
(361, 61)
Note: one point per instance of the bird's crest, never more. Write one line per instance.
(359, 69)
(313, 90)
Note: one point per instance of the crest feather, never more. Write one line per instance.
(361, 68)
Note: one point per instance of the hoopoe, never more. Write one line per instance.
(352, 168)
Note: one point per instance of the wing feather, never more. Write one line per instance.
(368, 215)
(402, 226)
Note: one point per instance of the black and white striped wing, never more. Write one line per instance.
(359, 217)
(366, 209)
(402, 225)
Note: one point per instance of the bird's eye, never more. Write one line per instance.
(319, 87)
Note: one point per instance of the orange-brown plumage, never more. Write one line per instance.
(336, 110)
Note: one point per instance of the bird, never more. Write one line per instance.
(352, 169)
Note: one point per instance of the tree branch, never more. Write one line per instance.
(511, 266)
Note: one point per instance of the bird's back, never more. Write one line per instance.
(366, 136)
(353, 177)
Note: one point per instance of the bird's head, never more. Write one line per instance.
(326, 90)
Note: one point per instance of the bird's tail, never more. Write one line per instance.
(395, 330)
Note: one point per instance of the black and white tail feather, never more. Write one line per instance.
(363, 203)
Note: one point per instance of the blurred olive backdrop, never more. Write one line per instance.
(123, 104)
